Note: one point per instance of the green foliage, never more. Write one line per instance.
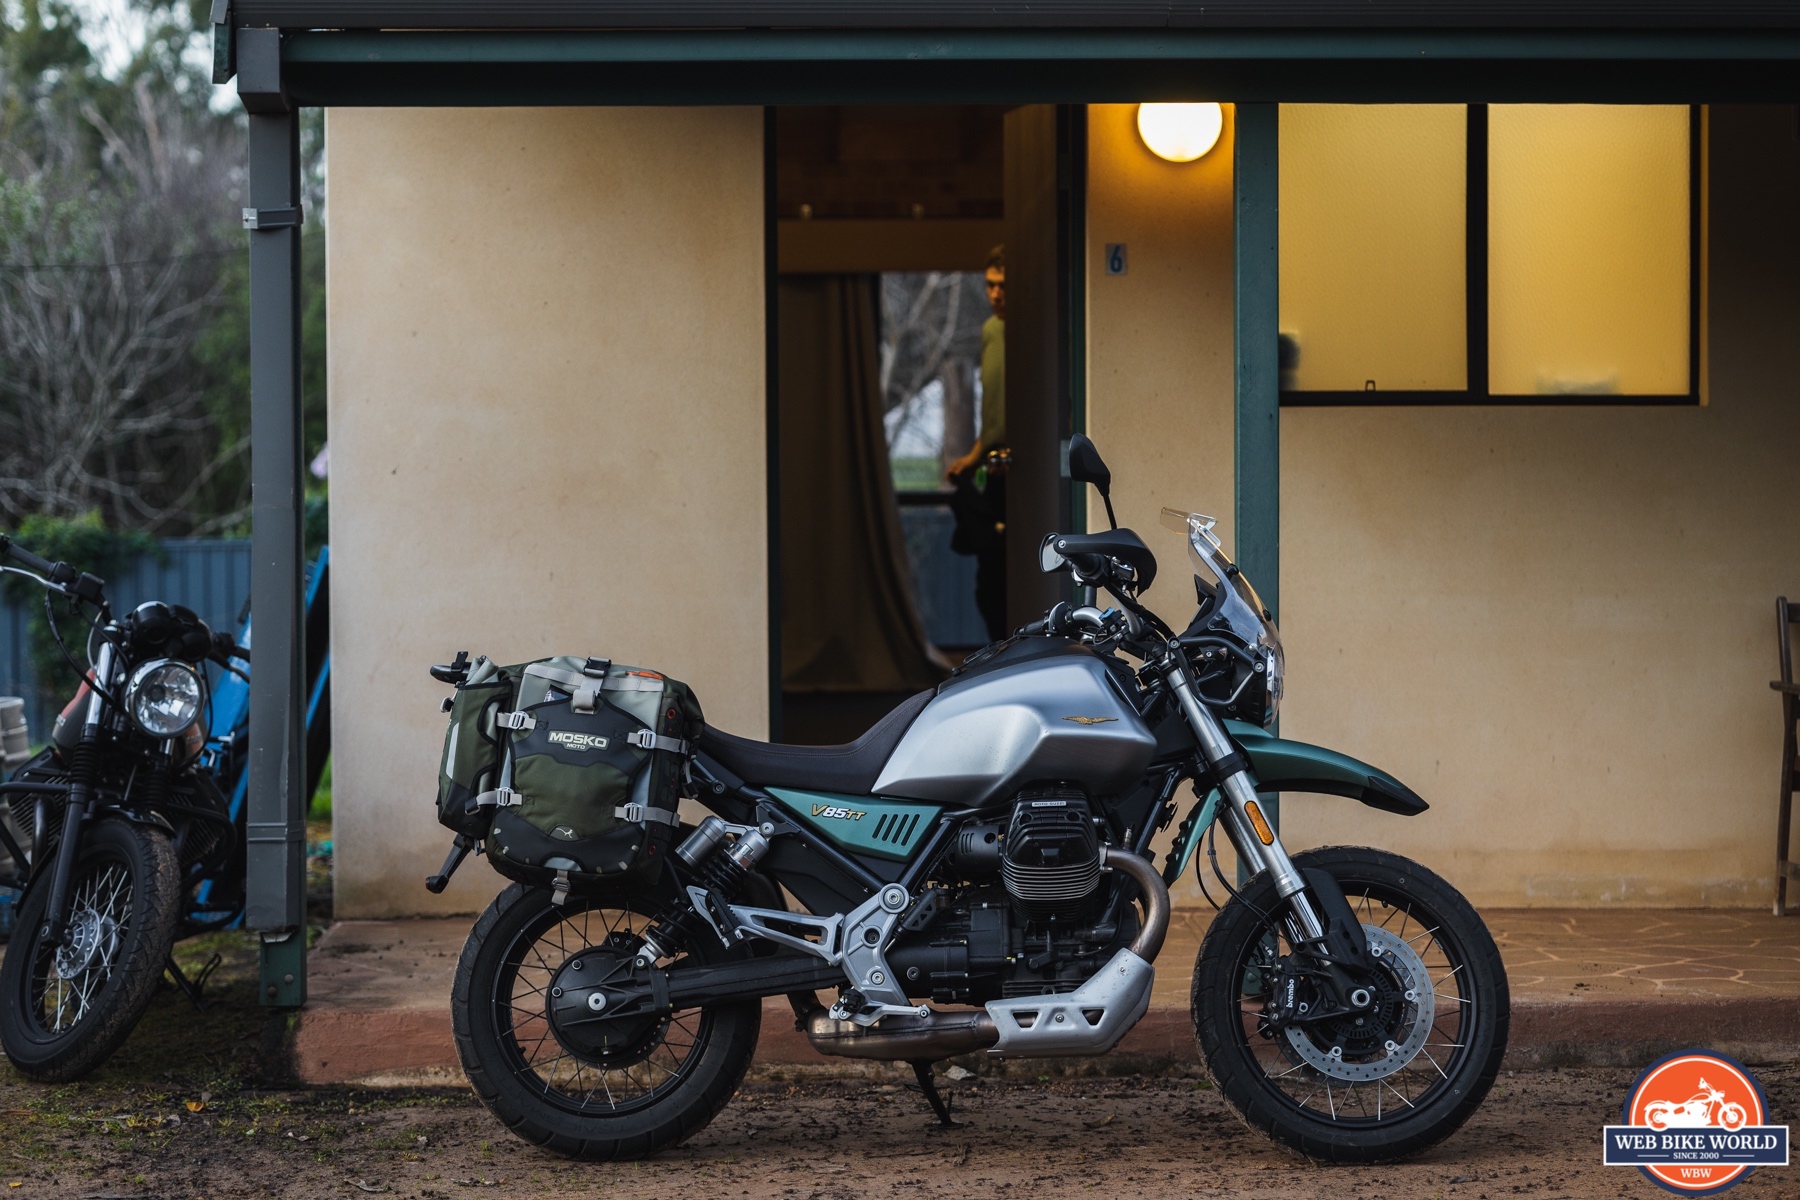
(87, 545)
(93, 163)
(918, 475)
(320, 809)
(224, 351)
(47, 38)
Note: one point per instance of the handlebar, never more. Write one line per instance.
(225, 648)
(42, 566)
(59, 575)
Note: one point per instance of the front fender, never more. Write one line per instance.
(1285, 766)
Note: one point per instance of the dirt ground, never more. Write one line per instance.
(193, 1107)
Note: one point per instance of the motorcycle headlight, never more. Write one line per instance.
(1274, 667)
(163, 697)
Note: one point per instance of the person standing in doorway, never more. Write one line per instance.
(980, 475)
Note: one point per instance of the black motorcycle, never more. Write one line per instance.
(119, 832)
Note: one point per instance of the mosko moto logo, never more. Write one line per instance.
(577, 741)
(837, 813)
(1090, 720)
(1696, 1123)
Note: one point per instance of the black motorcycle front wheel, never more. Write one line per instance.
(598, 1089)
(1401, 1077)
(65, 1009)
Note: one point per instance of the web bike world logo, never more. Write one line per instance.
(1695, 1124)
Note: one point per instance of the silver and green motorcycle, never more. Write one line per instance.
(973, 876)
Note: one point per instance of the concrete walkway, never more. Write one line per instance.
(1592, 986)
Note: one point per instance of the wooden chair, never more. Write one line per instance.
(1786, 617)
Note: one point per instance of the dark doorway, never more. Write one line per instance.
(884, 219)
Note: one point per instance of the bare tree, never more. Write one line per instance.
(110, 273)
(931, 330)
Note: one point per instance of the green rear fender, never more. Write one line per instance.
(1285, 766)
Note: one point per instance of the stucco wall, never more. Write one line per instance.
(1555, 623)
(546, 418)
(1160, 350)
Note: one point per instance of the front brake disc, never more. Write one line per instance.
(1414, 1004)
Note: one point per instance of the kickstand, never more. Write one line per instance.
(191, 988)
(928, 1086)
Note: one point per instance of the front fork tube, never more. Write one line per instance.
(56, 912)
(1255, 839)
(81, 790)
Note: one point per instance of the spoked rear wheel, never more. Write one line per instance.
(1402, 1076)
(65, 1009)
(587, 1086)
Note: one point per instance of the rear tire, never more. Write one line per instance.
(125, 902)
(1315, 1096)
(677, 1075)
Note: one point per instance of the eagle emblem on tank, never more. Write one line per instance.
(1090, 720)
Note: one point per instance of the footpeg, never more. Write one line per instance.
(459, 850)
(852, 1006)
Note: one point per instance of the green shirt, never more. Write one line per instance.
(993, 383)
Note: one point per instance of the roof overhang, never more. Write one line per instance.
(513, 52)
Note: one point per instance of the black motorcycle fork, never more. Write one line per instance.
(83, 765)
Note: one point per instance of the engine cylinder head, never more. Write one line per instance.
(1050, 862)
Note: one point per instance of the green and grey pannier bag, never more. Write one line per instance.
(585, 772)
(473, 747)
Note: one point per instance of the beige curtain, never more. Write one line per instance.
(850, 619)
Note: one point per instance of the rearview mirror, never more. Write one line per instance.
(1086, 466)
(1048, 559)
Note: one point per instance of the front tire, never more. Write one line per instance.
(1346, 1094)
(64, 1010)
(655, 1083)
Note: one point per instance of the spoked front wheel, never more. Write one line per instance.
(65, 1009)
(573, 1080)
(1404, 1072)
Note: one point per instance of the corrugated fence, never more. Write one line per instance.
(209, 575)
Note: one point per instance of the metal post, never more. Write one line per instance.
(275, 871)
(1257, 234)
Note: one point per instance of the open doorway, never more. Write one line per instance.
(887, 222)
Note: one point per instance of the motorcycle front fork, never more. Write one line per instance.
(1257, 843)
(82, 768)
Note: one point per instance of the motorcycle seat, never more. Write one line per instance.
(850, 769)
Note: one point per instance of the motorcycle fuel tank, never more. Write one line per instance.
(1053, 716)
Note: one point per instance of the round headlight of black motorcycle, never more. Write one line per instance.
(163, 697)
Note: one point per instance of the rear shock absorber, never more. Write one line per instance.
(721, 864)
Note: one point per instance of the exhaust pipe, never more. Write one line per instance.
(1149, 941)
(940, 1035)
(948, 1034)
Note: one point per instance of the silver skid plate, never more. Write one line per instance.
(1089, 1020)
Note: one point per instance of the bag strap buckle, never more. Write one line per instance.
(500, 797)
(648, 739)
(515, 720)
(637, 813)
